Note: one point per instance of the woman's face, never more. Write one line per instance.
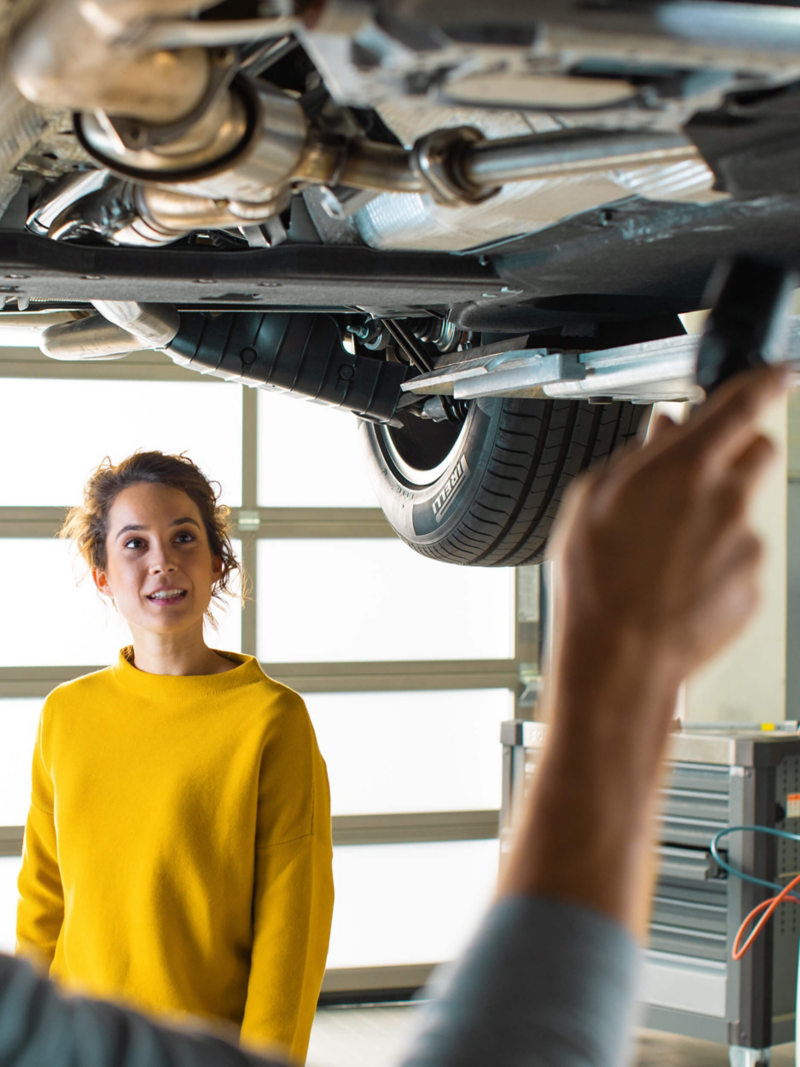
(159, 568)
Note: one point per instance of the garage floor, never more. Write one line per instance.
(374, 1036)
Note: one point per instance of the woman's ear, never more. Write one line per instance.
(100, 579)
(216, 567)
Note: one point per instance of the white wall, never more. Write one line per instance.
(747, 683)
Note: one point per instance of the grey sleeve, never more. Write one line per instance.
(544, 984)
(39, 1026)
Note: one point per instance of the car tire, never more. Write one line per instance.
(485, 492)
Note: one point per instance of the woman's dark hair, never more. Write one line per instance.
(87, 524)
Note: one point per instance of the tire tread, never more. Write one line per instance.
(539, 448)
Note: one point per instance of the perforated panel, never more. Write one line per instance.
(787, 781)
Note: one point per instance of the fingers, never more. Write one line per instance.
(572, 504)
(733, 583)
(729, 496)
(723, 425)
(751, 464)
(722, 513)
(660, 428)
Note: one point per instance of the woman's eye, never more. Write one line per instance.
(184, 538)
(134, 542)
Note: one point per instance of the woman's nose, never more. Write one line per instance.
(162, 563)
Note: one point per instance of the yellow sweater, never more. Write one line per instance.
(178, 848)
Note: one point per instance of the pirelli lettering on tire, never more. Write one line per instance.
(458, 476)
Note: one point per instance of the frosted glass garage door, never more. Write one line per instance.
(18, 724)
(309, 456)
(404, 904)
(351, 600)
(54, 433)
(9, 872)
(55, 618)
(412, 751)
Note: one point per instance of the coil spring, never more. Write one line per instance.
(455, 410)
(439, 332)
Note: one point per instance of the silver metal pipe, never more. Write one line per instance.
(35, 321)
(62, 195)
(212, 34)
(220, 129)
(168, 214)
(257, 186)
(491, 163)
(264, 154)
(153, 325)
(514, 159)
(144, 216)
(90, 338)
(24, 329)
(115, 17)
(83, 55)
(118, 328)
(370, 165)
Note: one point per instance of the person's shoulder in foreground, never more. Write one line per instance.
(538, 970)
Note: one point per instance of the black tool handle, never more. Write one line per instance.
(747, 326)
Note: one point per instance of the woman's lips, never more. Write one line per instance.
(167, 596)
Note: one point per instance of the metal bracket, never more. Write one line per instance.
(495, 375)
(642, 373)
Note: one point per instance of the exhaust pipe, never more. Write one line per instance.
(229, 153)
(84, 55)
(119, 328)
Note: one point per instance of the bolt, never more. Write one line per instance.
(248, 356)
(347, 372)
(134, 136)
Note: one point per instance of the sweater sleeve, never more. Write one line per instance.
(545, 983)
(40, 910)
(293, 892)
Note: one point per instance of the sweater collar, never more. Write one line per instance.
(246, 671)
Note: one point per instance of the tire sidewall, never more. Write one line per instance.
(430, 514)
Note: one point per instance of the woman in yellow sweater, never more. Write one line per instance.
(178, 848)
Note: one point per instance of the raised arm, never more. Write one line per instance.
(656, 570)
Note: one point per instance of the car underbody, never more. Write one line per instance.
(439, 201)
